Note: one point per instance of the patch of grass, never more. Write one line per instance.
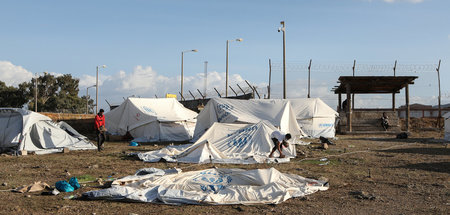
(86, 178)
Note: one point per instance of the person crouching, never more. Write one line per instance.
(279, 139)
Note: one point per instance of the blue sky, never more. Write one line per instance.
(141, 42)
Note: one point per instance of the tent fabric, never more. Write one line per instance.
(225, 143)
(278, 112)
(26, 130)
(209, 187)
(447, 126)
(314, 116)
(152, 119)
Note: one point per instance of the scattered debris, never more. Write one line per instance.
(28, 196)
(402, 135)
(363, 195)
(4, 184)
(95, 166)
(305, 198)
(67, 172)
(326, 140)
(70, 197)
(36, 186)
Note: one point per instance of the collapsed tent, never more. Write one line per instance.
(210, 186)
(447, 126)
(314, 117)
(152, 119)
(278, 112)
(30, 131)
(225, 143)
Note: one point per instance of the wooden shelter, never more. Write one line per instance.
(351, 85)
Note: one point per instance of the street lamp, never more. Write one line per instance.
(226, 75)
(96, 89)
(182, 56)
(87, 98)
(283, 29)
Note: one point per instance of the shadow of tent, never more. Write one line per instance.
(443, 167)
(424, 151)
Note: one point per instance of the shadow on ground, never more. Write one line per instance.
(443, 167)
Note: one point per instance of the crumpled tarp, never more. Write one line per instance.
(35, 187)
(226, 143)
(209, 186)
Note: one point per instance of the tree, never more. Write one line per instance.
(55, 94)
(11, 96)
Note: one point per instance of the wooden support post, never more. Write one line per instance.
(233, 90)
(217, 92)
(349, 108)
(407, 106)
(251, 87)
(254, 89)
(339, 102)
(393, 101)
(439, 97)
(156, 96)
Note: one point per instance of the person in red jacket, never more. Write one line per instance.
(100, 129)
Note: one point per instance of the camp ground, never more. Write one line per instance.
(24, 131)
(152, 119)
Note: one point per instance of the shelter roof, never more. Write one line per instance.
(373, 84)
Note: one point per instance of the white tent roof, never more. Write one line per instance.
(278, 112)
(306, 108)
(26, 130)
(225, 143)
(209, 186)
(135, 112)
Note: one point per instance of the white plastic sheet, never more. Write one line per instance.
(226, 143)
(209, 186)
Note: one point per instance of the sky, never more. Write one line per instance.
(140, 42)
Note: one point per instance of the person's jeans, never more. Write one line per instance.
(100, 140)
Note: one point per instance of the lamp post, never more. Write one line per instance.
(96, 89)
(283, 29)
(182, 58)
(87, 98)
(226, 73)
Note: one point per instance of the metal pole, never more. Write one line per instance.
(439, 98)
(96, 93)
(182, 55)
(206, 78)
(241, 89)
(226, 73)
(393, 94)
(309, 78)
(35, 93)
(353, 95)
(284, 59)
(270, 78)
(87, 100)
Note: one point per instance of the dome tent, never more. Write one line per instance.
(33, 132)
(152, 119)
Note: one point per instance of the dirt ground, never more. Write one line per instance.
(368, 175)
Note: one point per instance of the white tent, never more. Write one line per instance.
(209, 187)
(225, 143)
(278, 112)
(34, 132)
(151, 119)
(447, 126)
(314, 117)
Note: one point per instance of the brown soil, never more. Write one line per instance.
(367, 175)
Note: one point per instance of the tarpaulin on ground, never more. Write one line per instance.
(209, 186)
(226, 143)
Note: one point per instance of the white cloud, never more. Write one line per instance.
(13, 75)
